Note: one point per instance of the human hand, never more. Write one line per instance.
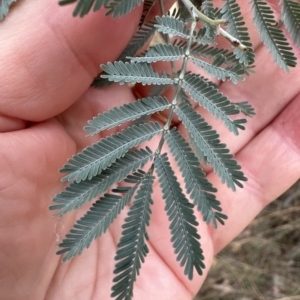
(48, 60)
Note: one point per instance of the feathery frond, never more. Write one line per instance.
(214, 101)
(290, 13)
(97, 220)
(197, 186)
(132, 248)
(125, 113)
(96, 169)
(185, 238)
(161, 52)
(207, 140)
(93, 159)
(236, 27)
(83, 7)
(173, 26)
(234, 74)
(120, 8)
(272, 36)
(134, 72)
(78, 193)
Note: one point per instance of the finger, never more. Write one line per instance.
(28, 180)
(272, 164)
(49, 61)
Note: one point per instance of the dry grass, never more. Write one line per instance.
(263, 263)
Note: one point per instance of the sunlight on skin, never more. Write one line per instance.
(47, 66)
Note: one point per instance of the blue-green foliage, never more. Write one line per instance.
(5, 7)
(98, 157)
(200, 190)
(272, 35)
(183, 222)
(290, 13)
(236, 27)
(132, 246)
(95, 170)
(78, 193)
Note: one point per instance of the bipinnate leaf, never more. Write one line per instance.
(132, 248)
(97, 220)
(93, 159)
(133, 72)
(126, 112)
(272, 36)
(183, 223)
(290, 13)
(207, 140)
(215, 102)
(78, 193)
(200, 190)
(236, 27)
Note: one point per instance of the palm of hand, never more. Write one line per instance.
(31, 156)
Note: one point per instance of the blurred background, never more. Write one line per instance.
(263, 263)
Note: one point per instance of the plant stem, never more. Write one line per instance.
(199, 16)
(178, 88)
